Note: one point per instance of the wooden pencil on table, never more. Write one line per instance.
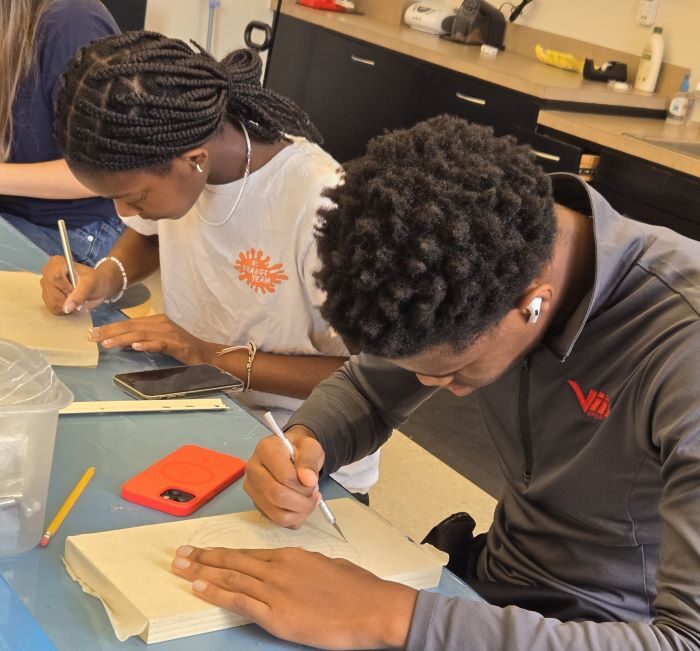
(67, 506)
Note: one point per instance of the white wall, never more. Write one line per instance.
(613, 23)
(186, 19)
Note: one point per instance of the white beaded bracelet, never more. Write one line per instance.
(125, 281)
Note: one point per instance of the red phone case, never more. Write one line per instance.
(203, 473)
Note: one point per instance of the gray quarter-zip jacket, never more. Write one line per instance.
(598, 433)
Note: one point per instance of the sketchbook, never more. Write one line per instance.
(62, 340)
(129, 569)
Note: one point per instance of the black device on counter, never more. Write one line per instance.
(610, 70)
(487, 28)
(177, 382)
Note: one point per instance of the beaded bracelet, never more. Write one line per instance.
(252, 349)
(125, 281)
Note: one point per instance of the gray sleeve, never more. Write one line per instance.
(668, 426)
(354, 411)
(453, 624)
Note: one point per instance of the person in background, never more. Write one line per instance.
(450, 259)
(221, 181)
(37, 39)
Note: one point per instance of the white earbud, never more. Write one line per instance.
(199, 168)
(534, 309)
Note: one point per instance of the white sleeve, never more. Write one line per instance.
(147, 227)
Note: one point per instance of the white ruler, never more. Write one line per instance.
(144, 406)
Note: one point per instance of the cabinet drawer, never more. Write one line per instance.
(290, 58)
(553, 155)
(437, 91)
(354, 91)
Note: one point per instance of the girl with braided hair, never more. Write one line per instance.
(37, 39)
(219, 181)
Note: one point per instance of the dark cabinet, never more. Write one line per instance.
(553, 155)
(649, 193)
(351, 90)
(128, 14)
(291, 58)
(439, 91)
(355, 91)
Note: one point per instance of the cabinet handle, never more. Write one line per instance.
(471, 100)
(367, 62)
(546, 156)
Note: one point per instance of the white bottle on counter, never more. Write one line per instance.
(694, 117)
(650, 62)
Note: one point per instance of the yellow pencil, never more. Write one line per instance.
(67, 506)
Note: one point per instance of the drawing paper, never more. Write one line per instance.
(63, 340)
(129, 569)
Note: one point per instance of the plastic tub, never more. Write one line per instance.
(31, 396)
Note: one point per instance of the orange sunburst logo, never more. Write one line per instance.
(254, 268)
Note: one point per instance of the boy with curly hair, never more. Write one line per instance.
(451, 260)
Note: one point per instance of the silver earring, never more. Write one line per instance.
(199, 168)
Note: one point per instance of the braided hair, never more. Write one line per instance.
(140, 99)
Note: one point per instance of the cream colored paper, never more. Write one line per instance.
(129, 569)
(63, 340)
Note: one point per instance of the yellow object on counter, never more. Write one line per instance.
(561, 60)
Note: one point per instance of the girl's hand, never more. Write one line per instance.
(94, 285)
(155, 334)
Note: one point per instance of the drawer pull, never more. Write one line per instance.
(471, 100)
(356, 59)
(546, 156)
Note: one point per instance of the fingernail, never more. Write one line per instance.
(107, 343)
(68, 307)
(137, 346)
(79, 308)
(181, 563)
(199, 585)
(184, 550)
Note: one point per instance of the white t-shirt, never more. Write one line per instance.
(251, 279)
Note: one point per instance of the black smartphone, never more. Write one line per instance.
(177, 382)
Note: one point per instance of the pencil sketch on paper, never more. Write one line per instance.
(265, 535)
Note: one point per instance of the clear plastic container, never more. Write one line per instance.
(31, 396)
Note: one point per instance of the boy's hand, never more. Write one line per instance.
(285, 492)
(302, 596)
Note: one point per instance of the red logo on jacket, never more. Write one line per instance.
(596, 404)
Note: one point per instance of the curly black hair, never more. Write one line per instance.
(432, 236)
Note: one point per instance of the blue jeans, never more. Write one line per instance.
(90, 241)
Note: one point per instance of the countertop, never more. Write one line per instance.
(618, 133)
(509, 69)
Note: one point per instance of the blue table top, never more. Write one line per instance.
(37, 597)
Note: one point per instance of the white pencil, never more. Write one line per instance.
(328, 514)
(67, 253)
